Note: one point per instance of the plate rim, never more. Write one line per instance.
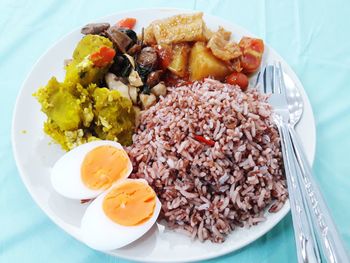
(72, 231)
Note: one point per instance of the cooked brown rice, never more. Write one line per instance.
(207, 191)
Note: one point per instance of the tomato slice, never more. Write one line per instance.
(238, 78)
(252, 49)
(102, 57)
(127, 23)
(164, 55)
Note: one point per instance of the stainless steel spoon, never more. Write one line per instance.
(328, 237)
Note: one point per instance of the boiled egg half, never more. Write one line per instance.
(120, 215)
(89, 169)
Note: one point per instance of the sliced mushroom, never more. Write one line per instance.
(159, 89)
(147, 100)
(148, 58)
(95, 28)
(119, 39)
(136, 48)
(133, 94)
(114, 83)
(154, 78)
(130, 33)
(134, 79)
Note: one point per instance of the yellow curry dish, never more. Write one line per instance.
(77, 109)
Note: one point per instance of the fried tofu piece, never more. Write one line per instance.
(148, 37)
(179, 28)
(222, 47)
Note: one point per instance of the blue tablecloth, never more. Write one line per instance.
(313, 36)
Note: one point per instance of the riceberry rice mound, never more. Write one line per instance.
(212, 154)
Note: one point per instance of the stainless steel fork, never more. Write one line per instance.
(270, 83)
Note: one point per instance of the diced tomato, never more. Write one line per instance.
(127, 23)
(252, 43)
(252, 49)
(164, 55)
(250, 62)
(103, 56)
(204, 140)
(238, 78)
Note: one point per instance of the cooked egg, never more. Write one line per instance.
(120, 215)
(89, 169)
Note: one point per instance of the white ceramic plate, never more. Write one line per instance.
(35, 154)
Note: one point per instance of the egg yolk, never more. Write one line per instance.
(130, 204)
(103, 166)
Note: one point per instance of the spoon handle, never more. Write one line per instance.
(307, 250)
(330, 241)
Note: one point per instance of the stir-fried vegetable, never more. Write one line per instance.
(121, 66)
(127, 23)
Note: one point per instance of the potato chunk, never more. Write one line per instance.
(178, 64)
(203, 63)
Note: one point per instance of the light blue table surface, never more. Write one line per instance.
(314, 38)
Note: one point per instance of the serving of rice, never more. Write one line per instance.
(207, 190)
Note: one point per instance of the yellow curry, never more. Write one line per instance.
(77, 110)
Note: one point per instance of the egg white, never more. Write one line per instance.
(66, 175)
(101, 233)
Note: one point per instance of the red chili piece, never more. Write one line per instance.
(204, 140)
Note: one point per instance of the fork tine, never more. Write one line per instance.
(268, 84)
(259, 82)
(282, 85)
(267, 80)
(275, 79)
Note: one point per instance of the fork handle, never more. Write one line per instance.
(332, 246)
(307, 249)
